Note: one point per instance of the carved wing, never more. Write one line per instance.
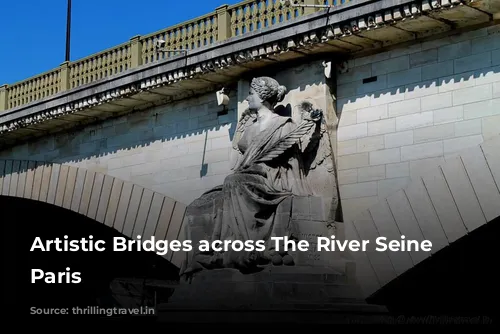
(286, 142)
(316, 146)
(319, 148)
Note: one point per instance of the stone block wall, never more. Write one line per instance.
(404, 110)
(179, 150)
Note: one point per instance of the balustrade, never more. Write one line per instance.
(223, 23)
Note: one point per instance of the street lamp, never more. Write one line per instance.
(68, 30)
(295, 3)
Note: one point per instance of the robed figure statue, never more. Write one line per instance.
(271, 165)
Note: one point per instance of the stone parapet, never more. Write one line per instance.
(205, 31)
(353, 28)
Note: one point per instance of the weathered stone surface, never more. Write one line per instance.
(217, 62)
(391, 130)
(279, 288)
(127, 208)
(452, 106)
(270, 191)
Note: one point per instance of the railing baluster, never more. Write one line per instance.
(225, 22)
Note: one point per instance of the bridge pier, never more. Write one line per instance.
(276, 294)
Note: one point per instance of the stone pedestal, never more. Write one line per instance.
(315, 281)
(297, 218)
(282, 291)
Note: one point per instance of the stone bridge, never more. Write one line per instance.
(442, 205)
(128, 137)
(126, 207)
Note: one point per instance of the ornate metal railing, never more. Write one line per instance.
(221, 24)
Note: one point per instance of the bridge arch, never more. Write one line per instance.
(445, 205)
(458, 280)
(107, 278)
(128, 208)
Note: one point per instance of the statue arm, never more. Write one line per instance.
(318, 147)
(236, 155)
(290, 134)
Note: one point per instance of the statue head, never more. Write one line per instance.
(265, 92)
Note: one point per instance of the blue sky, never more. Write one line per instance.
(34, 31)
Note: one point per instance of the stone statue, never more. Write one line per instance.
(272, 165)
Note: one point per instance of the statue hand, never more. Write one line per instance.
(316, 114)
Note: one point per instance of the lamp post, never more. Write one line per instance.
(68, 31)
